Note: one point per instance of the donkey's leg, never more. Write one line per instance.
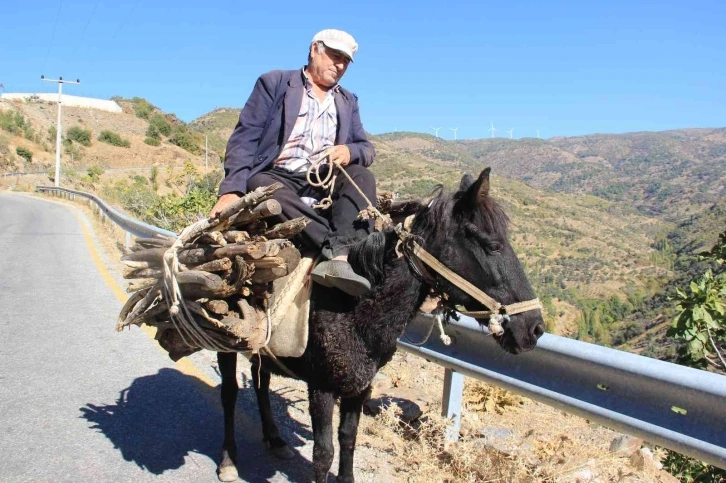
(321, 413)
(227, 470)
(350, 409)
(270, 433)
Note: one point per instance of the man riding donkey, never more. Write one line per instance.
(296, 119)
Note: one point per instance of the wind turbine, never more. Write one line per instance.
(454, 129)
(510, 132)
(436, 129)
(537, 133)
(492, 129)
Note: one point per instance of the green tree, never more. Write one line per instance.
(701, 318)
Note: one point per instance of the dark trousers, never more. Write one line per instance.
(334, 230)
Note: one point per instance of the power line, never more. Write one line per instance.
(120, 27)
(52, 37)
(83, 34)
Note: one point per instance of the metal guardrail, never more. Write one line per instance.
(129, 225)
(678, 407)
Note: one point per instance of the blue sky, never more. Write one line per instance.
(563, 67)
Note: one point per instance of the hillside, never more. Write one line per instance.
(218, 125)
(592, 260)
(31, 125)
(668, 174)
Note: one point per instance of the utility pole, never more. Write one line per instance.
(60, 82)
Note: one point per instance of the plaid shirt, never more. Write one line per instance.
(313, 133)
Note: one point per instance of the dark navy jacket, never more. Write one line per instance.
(266, 123)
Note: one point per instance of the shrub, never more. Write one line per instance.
(113, 139)
(7, 122)
(95, 172)
(72, 149)
(184, 139)
(79, 135)
(19, 120)
(52, 133)
(28, 132)
(153, 132)
(24, 153)
(142, 107)
(160, 124)
(152, 142)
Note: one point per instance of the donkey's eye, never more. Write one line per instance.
(489, 245)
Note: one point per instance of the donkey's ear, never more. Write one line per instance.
(399, 210)
(479, 191)
(466, 181)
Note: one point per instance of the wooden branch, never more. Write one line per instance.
(218, 265)
(263, 210)
(288, 228)
(265, 275)
(250, 199)
(128, 307)
(219, 307)
(253, 250)
(143, 273)
(206, 280)
(155, 242)
(141, 285)
(143, 304)
(212, 238)
(234, 236)
(269, 262)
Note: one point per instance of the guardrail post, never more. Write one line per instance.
(128, 240)
(451, 410)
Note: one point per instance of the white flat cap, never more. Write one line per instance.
(338, 40)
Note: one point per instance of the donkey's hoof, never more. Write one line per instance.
(282, 452)
(227, 473)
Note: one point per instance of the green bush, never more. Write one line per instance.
(185, 139)
(24, 153)
(152, 142)
(95, 172)
(153, 132)
(160, 124)
(7, 122)
(52, 133)
(79, 135)
(142, 107)
(113, 139)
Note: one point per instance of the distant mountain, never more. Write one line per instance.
(669, 174)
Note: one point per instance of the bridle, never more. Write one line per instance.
(419, 259)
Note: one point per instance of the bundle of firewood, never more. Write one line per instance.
(218, 273)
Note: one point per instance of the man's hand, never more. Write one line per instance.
(339, 155)
(223, 202)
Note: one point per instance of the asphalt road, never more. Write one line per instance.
(80, 402)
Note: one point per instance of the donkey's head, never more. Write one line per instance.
(467, 232)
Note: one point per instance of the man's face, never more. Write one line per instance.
(327, 66)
